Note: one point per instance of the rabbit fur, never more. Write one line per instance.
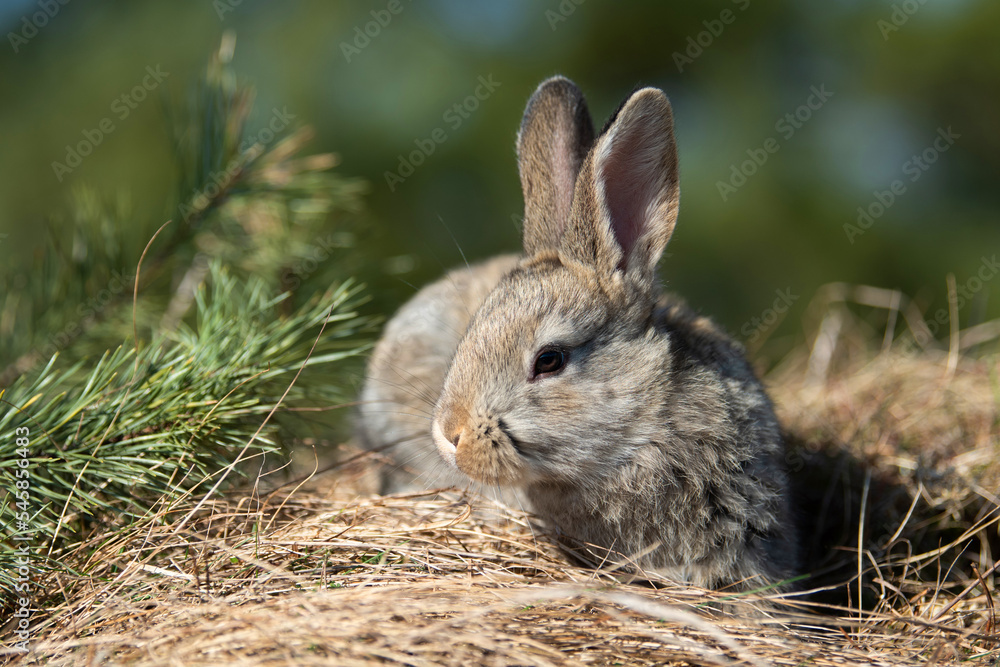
(652, 442)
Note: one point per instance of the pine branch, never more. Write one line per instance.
(147, 426)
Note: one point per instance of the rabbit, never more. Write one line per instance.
(633, 427)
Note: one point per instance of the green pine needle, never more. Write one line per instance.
(143, 427)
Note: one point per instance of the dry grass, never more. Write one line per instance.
(896, 450)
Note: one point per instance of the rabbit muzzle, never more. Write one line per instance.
(480, 448)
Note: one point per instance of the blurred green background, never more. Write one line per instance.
(896, 74)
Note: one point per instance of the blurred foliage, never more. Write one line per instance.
(371, 97)
(246, 199)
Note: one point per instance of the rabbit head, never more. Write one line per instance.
(560, 375)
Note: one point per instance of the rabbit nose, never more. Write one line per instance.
(446, 446)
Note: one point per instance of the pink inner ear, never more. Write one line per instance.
(563, 174)
(631, 178)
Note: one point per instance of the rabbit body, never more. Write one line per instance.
(635, 428)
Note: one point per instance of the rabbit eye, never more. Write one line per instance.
(549, 361)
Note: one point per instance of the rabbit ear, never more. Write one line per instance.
(553, 141)
(626, 199)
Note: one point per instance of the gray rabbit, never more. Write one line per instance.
(634, 427)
